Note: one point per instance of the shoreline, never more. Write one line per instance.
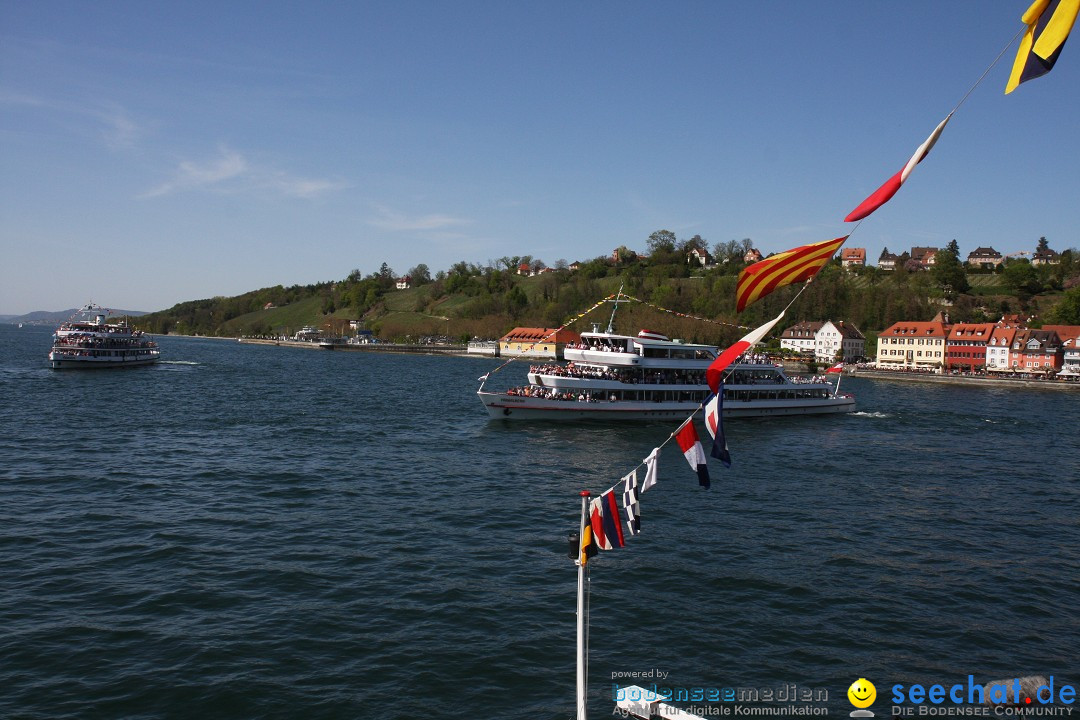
(462, 351)
(963, 380)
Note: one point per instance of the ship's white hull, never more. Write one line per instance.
(517, 407)
(67, 362)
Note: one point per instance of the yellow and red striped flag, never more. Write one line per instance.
(761, 278)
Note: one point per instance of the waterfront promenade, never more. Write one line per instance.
(978, 380)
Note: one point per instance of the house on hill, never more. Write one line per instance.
(403, 283)
(700, 256)
(853, 256)
(986, 258)
(1045, 256)
(923, 258)
(752, 255)
(887, 260)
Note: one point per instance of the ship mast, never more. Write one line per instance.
(612, 319)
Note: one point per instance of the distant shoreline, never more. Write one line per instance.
(462, 351)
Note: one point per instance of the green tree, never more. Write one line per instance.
(948, 272)
(661, 241)
(1021, 277)
(420, 275)
(1067, 311)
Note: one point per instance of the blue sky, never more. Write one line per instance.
(154, 152)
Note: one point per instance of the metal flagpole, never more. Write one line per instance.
(582, 659)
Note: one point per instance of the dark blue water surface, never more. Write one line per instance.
(245, 531)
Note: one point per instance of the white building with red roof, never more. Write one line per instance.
(998, 348)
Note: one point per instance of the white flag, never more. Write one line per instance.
(650, 469)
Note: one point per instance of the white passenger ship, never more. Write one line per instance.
(623, 377)
(87, 341)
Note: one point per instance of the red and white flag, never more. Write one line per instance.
(716, 369)
(837, 368)
(884, 193)
(687, 438)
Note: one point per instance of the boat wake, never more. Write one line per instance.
(872, 414)
(177, 362)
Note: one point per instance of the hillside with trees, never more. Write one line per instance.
(485, 300)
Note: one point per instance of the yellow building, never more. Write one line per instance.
(544, 343)
(912, 346)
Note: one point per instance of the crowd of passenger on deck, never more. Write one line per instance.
(629, 376)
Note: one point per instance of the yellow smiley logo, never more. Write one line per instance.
(862, 693)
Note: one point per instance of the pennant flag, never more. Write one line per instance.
(884, 193)
(758, 280)
(596, 524)
(612, 521)
(837, 368)
(630, 503)
(651, 469)
(714, 423)
(687, 438)
(588, 544)
(1049, 23)
(717, 367)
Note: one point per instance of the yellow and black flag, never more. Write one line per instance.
(588, 545)
(1049, 23)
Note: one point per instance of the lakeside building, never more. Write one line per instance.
(542, 343)
(839, 340)
(801, 337)
(997, 350)
(1070, 345)
(986, 258)
(966, 346)
(1036, 351)
(907, 345)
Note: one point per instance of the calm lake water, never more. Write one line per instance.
(245, 531)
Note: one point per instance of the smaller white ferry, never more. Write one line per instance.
(648, 376)
(87, 341)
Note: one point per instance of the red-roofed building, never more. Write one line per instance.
(1036, 351)
(965, 348)
(403, 283)
(999, 347)
(912, 345)
(1070, 344)
(853, 256)
(536, 342)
